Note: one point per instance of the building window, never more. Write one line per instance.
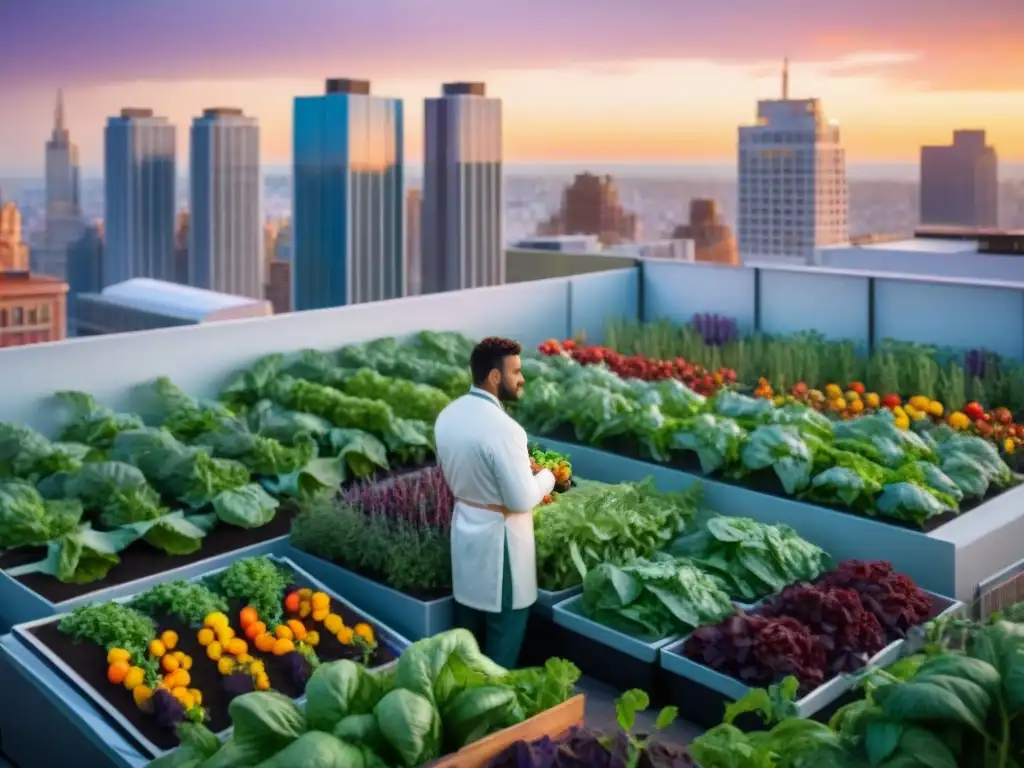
(44, 313)
(17, 316)
(33, 316)
(3, 318)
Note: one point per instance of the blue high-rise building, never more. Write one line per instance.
(225, 251)
(348, 205)
(139, 179)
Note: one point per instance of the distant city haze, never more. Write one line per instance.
(883, 199)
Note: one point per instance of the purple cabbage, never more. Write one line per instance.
(716, 330)
(422, 499)
(237, 684)
(584, 748)
(168, 711)
(299, 668)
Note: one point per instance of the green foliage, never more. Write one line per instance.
(190, 601)
(110, 625)
(259, 581)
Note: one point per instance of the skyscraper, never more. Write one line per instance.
(960, 182)
(139, 179)
(64, 225)
(348, 206)
(712, 240)
(413, 242)
(463, 203)
(225, 251)
(792, 181)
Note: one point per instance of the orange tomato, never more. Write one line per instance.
(292, 602)
(247, 616)
(169, 663)
(283, 646)
(265, 642)
(297, 628)
(255, 629)
(283, 632)
(118, 671)
(236, 646)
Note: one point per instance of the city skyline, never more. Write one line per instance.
(893, 86)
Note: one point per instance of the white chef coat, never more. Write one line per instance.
(483, 454)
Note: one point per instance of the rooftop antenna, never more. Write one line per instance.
(58, 113)
(785, 79)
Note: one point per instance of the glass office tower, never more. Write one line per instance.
(348, 205)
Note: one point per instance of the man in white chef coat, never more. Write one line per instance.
(482, 452)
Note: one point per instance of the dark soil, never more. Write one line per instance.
(141, 560)
(89, 661)
(766, 481)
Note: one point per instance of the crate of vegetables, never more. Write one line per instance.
(821, 632)
(182, 651)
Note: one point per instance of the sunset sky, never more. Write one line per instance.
(612, 80)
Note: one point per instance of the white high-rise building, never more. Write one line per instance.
(463, 208)
(792, 181)
(225, 251)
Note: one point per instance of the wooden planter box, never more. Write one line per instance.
(554, 722)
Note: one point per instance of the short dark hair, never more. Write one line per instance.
(490, 354)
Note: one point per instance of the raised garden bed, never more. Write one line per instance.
(84, 664)
(702, 693)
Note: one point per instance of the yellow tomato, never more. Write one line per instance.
(262, 683)
(320, 600)
(244, 658)
(816, 395)
(225, 665)
(902, 422)
(857, 406)
(142, 695)
(265, 642)
(197, 696)
(214, 650)
(345, 635)
(258, 667)
(333, 622)
(224, 634)
(157, 649)
(833, 391)
(365, 631)
(305, 609)
(170, 639)
(851, 396)
(958, 420)
(312, 639)
(236, 646)
(305, 593)
(205, 636)
(920, 402)
(1009, 446)
(169, 663)
(182, 695)
(935, 409)
(118, 654)
(215, 620)
(872, 399)
(134, 678)
(319, 614)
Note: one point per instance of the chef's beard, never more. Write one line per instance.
(507, 394)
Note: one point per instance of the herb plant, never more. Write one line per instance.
(260, 582)
(110, 625)
(190, 601)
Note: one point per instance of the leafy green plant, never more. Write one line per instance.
(627, 707)
(259, 581)
(110, 625)
(600, 523)
(189, 601)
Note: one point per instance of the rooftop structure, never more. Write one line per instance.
(983, 254)
(145, 304)
(32, 309)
